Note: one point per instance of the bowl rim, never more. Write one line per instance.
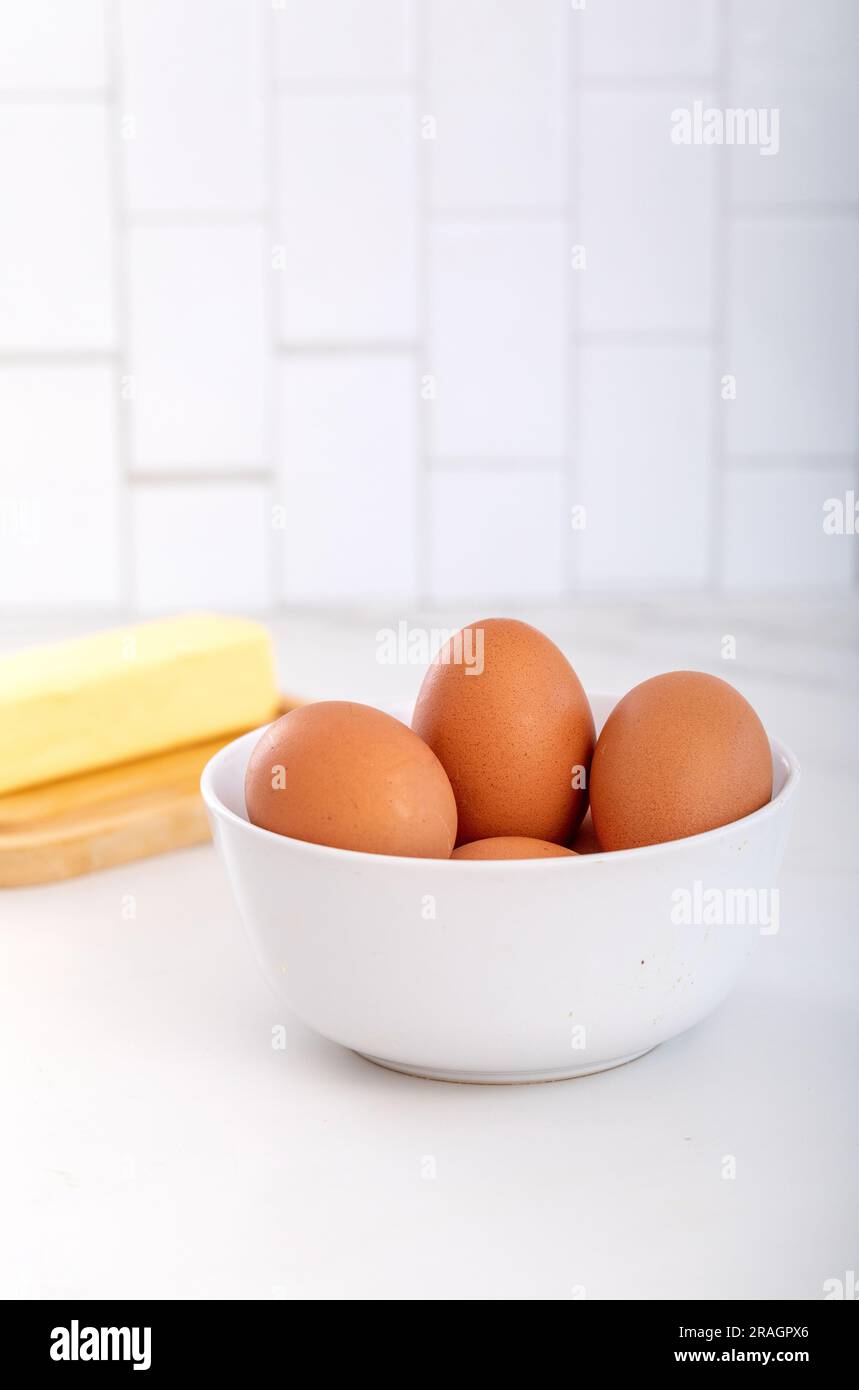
(555, 864)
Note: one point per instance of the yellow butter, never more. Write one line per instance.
(118, 695)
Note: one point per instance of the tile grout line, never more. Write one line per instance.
(379, 347)
(343, 86)
(420, 87)
(455, 463)
(169, 218)
(59, 357)
(184, 475)
(276, 560)
(544, 212)
(744, 461)
(634, 84)
(57, 96)
(611, 84)
(721, 325)
(573, 338)
(123, 378)
(792, 211)
(855, 473)
(610, 337)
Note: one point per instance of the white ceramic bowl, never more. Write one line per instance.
(505, 971)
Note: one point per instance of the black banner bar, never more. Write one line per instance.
(152, 1339)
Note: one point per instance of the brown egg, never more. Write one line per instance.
(680, 754)
(512, 847)
(505, 712)
(586, 841)
(346, 775)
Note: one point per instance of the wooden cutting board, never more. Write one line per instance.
(93, 821)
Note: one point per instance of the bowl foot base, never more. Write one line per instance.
(503, 1078)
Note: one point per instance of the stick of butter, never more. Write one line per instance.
(119, 695)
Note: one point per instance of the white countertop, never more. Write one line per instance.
(156, 1145)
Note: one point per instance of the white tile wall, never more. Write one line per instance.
(646, 466)
(348, 456)
(648, 215)
(348, 216)
(198, 347)
(56, 45)
(663, 38)
(201, 547)
(345, 40)
(774, 536)
(193, 105)
(293, 309)
(59, 487)
(506, 149)
(793, 340)
(496, 535)
(496, 343)
(803, 60)
(56, 229)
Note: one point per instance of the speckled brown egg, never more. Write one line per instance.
(512, 847)
(346, 775)
(680, 754)
(505, 713)
(586, 841)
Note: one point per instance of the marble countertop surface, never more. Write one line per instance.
(156, 1144)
